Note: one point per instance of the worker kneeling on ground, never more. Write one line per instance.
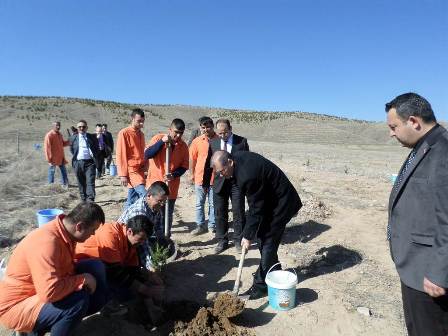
(43, 289)
(116, 245)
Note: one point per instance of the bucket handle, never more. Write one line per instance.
(279, 263)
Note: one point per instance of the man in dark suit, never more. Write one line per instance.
(224, 189)
(84, 148)
(418, 215)
(109, 148)
(272, 200)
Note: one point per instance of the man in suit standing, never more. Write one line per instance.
(272, 200)
(84, 148)
(109, 147)
(418, 215)
(224, 189)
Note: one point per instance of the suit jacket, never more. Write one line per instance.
(418, 215)
(272, 199)
(109, 141)
(239, 144)
(92, 142)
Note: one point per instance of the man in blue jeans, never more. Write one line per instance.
(201, 175)
(54, 145)
(44, 290)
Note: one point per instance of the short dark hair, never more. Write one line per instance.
(104, 125)
(138, 111)
(158, 188)
(412, 104)
(205, 121)
(98, 125)
(178, 124)
(86, 212)
(140, 223)
(83, 121)
(224, 121)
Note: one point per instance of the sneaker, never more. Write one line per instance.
(199, 230)
(255, 293)
(221, 246)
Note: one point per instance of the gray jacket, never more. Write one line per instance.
(418, 215)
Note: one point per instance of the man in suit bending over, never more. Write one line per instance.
(223, 189)
(272, 200)
(417, 229)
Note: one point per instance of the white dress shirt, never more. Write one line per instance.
(229, 144)
(84, 152)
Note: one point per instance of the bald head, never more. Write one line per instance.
(222, 163)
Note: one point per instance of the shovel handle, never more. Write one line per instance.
(236, 287)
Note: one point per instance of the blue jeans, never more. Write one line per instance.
(201, 195)
(52, 170)
(171, 203)
(134, 194)
(61, 317)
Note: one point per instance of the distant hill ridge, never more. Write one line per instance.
(33, 116)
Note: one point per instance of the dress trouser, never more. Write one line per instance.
(85, 171)
(228, 191)
(424, 315)
(268, 246)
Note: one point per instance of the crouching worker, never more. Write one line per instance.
(116, 245)
(43, 289)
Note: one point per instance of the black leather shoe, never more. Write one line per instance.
(222, 246)
(255, 293)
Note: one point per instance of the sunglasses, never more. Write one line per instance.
(82, 126)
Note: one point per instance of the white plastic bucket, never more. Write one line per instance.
(281, 288)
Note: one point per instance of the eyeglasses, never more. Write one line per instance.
(222, 170)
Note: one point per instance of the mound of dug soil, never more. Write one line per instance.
(215, 321)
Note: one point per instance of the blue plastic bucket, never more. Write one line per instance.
(393, 178)
(46, 215)
(281, 289)
(113, 170)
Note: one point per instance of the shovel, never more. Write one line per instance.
(236, 287)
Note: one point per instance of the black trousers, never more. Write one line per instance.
(268, 245)
(100, 163)
(85, 171)
(230, 191)
(424, 315)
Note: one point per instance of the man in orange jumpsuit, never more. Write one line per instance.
(131, 158)
(201, 175)
(43, 289)
(54, 145)
(156, 153)
(116, 245)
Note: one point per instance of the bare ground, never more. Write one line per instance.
(337, 246)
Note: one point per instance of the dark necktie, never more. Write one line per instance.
(399, 180)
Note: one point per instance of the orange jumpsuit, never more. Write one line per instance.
(178, 158)
(130, 156)
(40, 270)
(110, 244)
(54, 145)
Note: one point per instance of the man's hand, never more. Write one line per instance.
(245, 243)
(191, 177)
(50, 164)
(432, 289)
(169, 177)
(89, 283)
(124, 181)
(166, 138)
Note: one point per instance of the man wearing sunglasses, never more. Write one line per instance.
(84, 148)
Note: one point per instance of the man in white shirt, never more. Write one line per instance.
(84, 148)
(223, 189)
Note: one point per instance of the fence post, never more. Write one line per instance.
(18, 142)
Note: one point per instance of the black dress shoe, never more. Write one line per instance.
(221, 246)
(255, 293)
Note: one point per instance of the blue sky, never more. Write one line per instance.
(337, 57)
